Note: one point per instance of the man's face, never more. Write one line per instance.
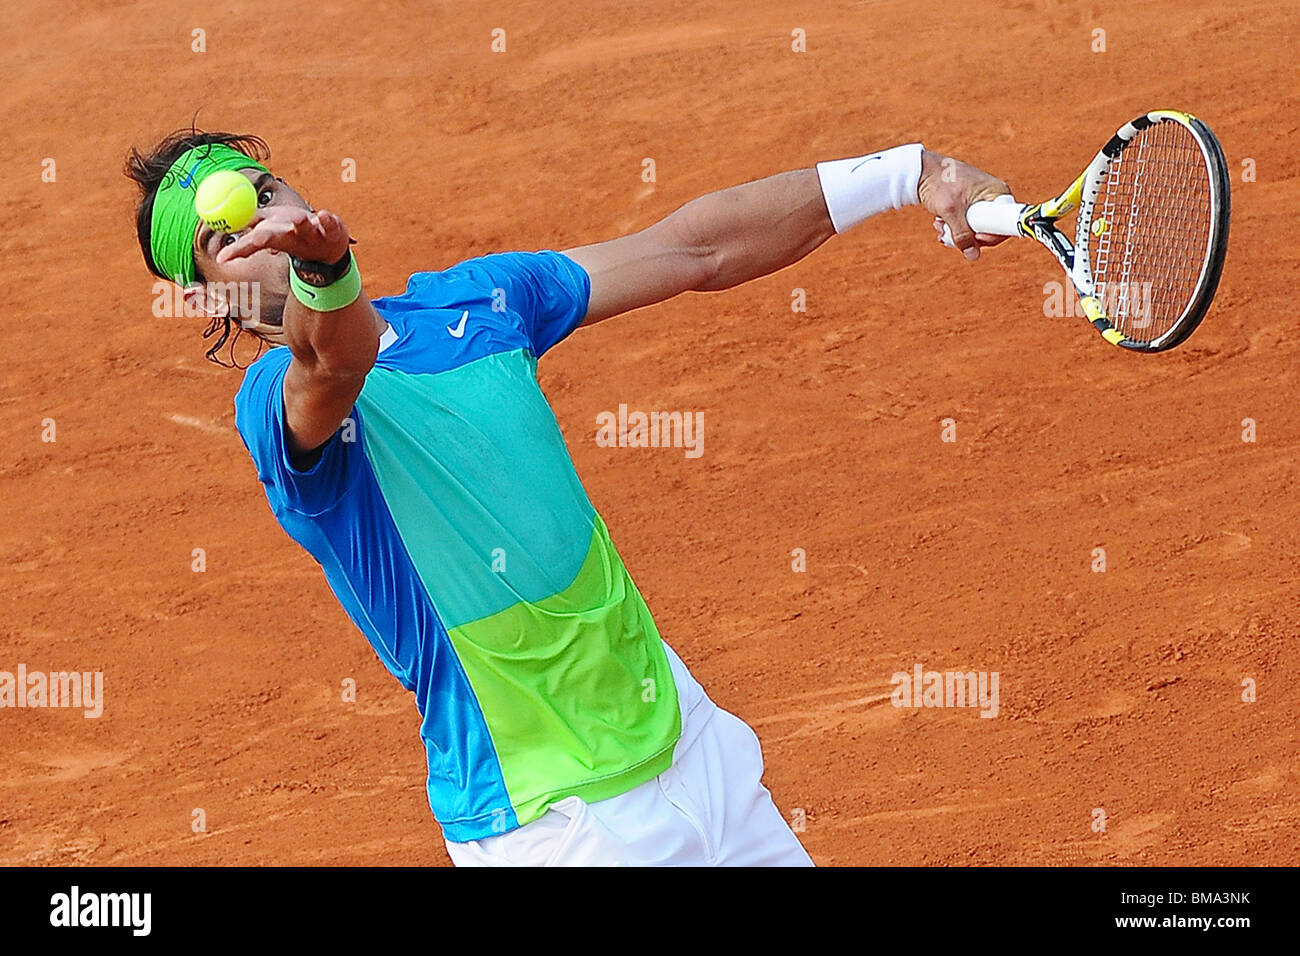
(267, 268)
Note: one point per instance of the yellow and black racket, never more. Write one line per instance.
(1152, 229)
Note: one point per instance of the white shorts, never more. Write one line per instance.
(709, 808)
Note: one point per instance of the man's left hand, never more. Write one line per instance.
(947, 188)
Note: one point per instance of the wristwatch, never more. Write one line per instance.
(321, 274)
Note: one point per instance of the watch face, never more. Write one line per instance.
(319, 273)
(312, 273)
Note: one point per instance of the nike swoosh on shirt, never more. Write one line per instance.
(459, 328)
(863, 163)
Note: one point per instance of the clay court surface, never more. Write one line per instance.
(1118, 690)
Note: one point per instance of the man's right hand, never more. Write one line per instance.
(319, 236)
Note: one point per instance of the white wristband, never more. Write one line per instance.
(856, 189)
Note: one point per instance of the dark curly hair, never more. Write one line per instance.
(147, 168)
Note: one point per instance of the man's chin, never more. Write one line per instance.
(264, 326)
(268, 323)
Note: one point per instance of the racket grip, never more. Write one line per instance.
(997, 217)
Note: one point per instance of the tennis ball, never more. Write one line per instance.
(1099, 226)
(226, 201)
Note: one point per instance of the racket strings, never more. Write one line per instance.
(1152, 235)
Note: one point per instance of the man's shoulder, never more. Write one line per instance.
(256, 389)
(275, 360)
(427, 290)
(445, 286)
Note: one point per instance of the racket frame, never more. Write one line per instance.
(1039, 222)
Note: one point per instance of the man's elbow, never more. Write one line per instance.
(701, 257)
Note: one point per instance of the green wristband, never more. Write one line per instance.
(339, 294)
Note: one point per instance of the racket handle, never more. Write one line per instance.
(997, 217)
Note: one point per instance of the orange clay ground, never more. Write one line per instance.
(1119, 690)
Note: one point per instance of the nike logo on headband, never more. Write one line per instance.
(189, 177)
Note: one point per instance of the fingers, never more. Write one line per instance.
(963, 236)
(982, 239)
(991, 188)
(266, 233)
(300, 232)
(331, 226)
(950, 193)
(323, 220)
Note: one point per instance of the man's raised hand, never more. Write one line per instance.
(315, 235)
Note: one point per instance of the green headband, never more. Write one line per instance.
(171, 234)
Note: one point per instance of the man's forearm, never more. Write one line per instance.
(329, 324)
(760, 227)
(333, 352)
(756, 228)
(340, 343)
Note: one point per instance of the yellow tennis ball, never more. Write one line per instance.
(1099, 226)
(226, 201)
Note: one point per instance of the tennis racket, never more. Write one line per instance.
(1151, 232)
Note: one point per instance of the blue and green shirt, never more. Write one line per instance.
(451, 525)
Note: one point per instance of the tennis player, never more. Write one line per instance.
(404, 442)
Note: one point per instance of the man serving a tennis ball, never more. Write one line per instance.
(404, 442)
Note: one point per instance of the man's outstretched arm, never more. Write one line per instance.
(731, 236)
